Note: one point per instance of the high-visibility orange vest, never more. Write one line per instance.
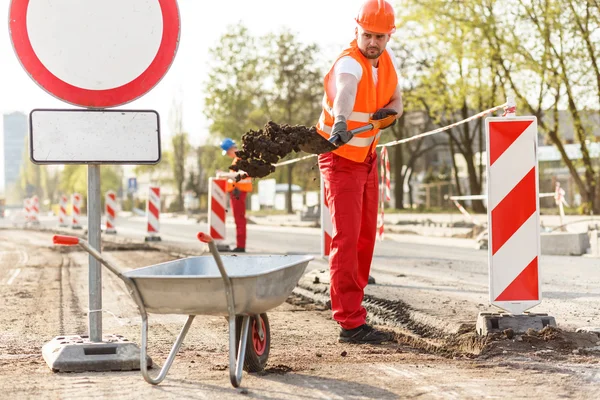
(369, 99)
(244, 185)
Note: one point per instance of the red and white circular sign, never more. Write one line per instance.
(96, 54)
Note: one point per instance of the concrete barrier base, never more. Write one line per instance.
(499, 322)
(564, 243)
(77, 354)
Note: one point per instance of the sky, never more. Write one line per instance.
(330, 23)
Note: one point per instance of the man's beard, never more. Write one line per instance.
(371, 55)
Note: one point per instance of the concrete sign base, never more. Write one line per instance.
(77, 354)
(498, 322)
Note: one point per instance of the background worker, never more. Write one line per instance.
(361, 85)
(238, 191)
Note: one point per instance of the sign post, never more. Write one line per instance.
(94, 55)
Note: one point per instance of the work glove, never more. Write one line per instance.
(236, 193)
(340, 130)
(384, 112)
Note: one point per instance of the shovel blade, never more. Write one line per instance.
(316, 144)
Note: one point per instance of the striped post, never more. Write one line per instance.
(62, 211)
(513, 212)
(110, 204)
(27, 209)
(153, 214)
(34, 206)
(217, 207)
(76, 210)
(326, 224)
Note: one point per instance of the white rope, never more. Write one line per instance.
(409, 139)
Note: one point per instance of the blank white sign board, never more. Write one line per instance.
(94, 136)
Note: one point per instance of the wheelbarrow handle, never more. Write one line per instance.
(204, 238)
(73, 241)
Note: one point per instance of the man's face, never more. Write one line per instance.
(231, 152)
(371, 44)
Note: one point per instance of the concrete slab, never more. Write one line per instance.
(77, 354)
(564, 243)
(499, 322)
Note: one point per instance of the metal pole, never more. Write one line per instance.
(94, 211)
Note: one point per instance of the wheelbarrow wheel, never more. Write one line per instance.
(257, 350)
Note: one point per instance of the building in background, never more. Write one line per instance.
(13, 142)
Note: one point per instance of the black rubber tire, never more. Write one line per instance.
(256, 358)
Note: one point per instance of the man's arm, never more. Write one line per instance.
(343, 104)
(396, 102)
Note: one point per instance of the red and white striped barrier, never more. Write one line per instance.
(27, 209)
(217, 206)
(110, 205)
(384, 190)
(153, 214)
(76, 210)
(513, 213)
(34, 207)
(62, 211)
(326, 224)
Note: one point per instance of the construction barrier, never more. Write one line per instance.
(62, 211)
(76, 206)
(513, 213)
(326, 224)
(34, 207)
(153, 214)
(27, 209)
(217, 206)
(110, 205)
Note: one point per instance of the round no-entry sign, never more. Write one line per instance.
(95, 53)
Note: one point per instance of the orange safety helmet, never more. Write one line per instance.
(377, 16)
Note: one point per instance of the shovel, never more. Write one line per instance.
(317, 144)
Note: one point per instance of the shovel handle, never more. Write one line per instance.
(373, 124)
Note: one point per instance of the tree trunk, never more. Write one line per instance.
(474, 184)
(410, 189)
(455, 169)
(398, 177)
(288, 201)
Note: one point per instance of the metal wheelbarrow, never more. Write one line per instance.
(192, 286)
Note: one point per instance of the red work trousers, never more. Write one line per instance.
(238, 205)
(351, 193)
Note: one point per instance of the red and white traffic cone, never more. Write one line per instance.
(62, 211)
(110, 204)
(153, 214)
(217, 206)
(76, 210)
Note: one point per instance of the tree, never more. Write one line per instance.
(254, 80)
(181, 149)
(234, 90)
(296, 90)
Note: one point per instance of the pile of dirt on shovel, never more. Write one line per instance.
(262, 148)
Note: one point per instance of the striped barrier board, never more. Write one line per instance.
(326, 224)
(76, 204)
(153, 214)
(217, 209)
(62, 211)
(513, 213)
(110, 204)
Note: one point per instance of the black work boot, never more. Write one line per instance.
(238, 250)
(364, 334)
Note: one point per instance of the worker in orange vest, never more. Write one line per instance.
(238, 190)
(361, 85)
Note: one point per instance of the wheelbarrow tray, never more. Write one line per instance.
(194, 286)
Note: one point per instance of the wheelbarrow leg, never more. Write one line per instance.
(163, 372)
(236, 365)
